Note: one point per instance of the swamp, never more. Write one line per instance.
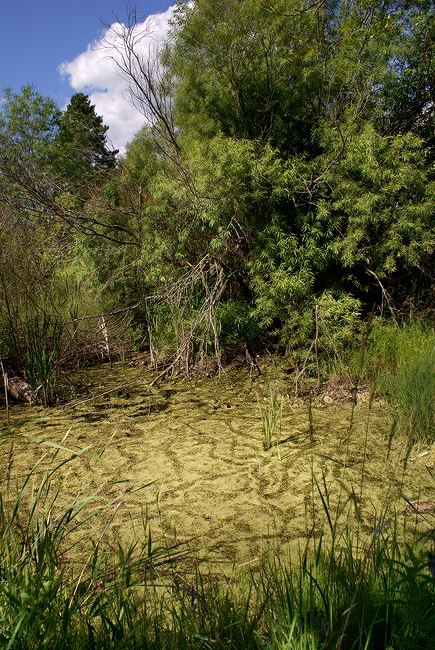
(201, 445)
(202, 489)
(217, 340)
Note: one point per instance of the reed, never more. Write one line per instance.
(401, 360)
(336, 595)
(44, 336)
(52, 594)
(271, 417)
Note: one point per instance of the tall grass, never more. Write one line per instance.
(56, 589)
(402, 362)
(271, 417)
(44, 336)
(52, 595)
(336, 595)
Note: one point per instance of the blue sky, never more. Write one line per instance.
(38, 36)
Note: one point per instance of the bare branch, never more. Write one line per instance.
(43, 189)
(385, 295)
(134, 49)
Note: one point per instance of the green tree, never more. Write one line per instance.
(245, 71)
(28, 128)
(271, 71)
(32, 245)
(289, 168)
(410, 94)
(28, 122)
(81, 146)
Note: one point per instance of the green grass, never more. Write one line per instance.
(271, 417)
(44, 334)
(336, 595)
(401, 360)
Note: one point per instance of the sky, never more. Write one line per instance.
(55, 45)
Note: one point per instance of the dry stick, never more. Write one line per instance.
(5, 383)
(215, 295)
(261, 513)
(125, 384)
(313, 345)
(211, 299)
(316, 311)
(385, 295)
(304, 365)
(103, 329)
(183, 283)
(213, 326)
(110, 313)
(185, 345)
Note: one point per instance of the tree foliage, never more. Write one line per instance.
(42, 212)
(284, 179)
(80, 147)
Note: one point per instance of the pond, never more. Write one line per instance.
(214, 486)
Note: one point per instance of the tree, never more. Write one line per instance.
(80, 147)
(286, 164)
(245, 71)
(33, 248)
(28, 122)
(285, 171)
(410, 95)
(61, 184)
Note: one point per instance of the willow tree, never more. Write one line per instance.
(282, 159)
(307, 80)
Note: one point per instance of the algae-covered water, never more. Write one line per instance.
(201, 442)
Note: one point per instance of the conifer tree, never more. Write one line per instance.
(82, 149)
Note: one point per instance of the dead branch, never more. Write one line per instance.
(43, 189)
(5, 383)
(385, 296)
(134, 50)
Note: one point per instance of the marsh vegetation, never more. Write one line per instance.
(155, 516)
(224, 339)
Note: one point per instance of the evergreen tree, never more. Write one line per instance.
(81, 147)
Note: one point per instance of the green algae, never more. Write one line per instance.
(214, 486)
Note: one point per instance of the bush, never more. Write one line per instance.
(236, 323)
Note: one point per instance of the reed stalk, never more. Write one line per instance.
(44, 336)
(271, 417)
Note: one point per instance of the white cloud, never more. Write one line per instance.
(95, 73)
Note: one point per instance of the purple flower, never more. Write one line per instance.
(98, 585)
(192, 593)
(315, 617)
